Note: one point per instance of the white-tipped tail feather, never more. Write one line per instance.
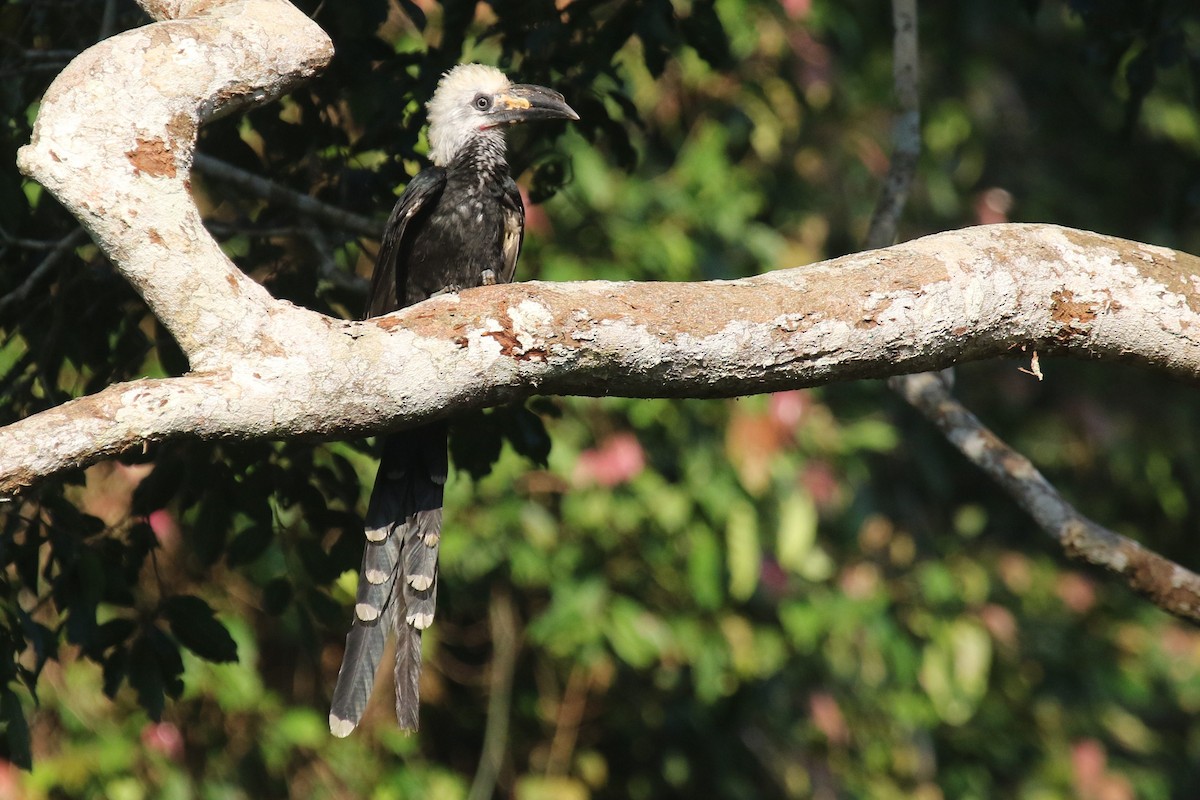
(397, 585)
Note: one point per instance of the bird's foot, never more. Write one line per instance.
(487, 278)
(453, 288)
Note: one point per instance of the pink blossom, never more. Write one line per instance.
(618, 459)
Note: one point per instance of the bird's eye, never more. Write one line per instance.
(482, 102)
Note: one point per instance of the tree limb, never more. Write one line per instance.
(269, 190)
(114, 139)
(923, 305)
(1165, 583)
(506, 639)
(60, 249)
(906, 130)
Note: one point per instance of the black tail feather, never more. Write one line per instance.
(397, 586)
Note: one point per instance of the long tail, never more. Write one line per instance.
(397, 586)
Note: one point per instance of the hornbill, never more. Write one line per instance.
(458, 224)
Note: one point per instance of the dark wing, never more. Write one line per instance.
(390, 275)
(513, 211)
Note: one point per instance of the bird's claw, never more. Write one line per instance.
(453, 288)
(487, 278)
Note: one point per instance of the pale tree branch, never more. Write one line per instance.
(114, 142)
(925, 304)
(1169, 585)
(1165, 583)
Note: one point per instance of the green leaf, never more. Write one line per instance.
(302, 727)
(637, 636)
(797, 531)
(80, 591)
(475, 442)
(551, 787)
(277, 596)
(112, 633)
(146, 678)
(574, 617)
(170, 662)
(316, 561)
(870, 434)
(954, 669)
(196, 628)
(16, 730)
(704, 569)
(324, 609)
(527, 433)
(158, 488)
(116, 667)
(745, 554)
(804, 623)
(249, 544)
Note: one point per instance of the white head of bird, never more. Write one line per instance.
(474, 103)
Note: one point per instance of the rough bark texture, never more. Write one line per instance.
(918, 306)
(114, 142)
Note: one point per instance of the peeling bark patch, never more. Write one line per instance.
(182, 130)
(17, 480)
(1174, 269)
(153, 157)
(235, 95)
(1162, 581)
(233, 282)
(870, 317)
(1159, 580)
(160, 35)
(510, 344)
(386, 323)
(1066, 311)
(155, 237)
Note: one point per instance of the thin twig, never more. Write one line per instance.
(505, 644)
(322, 250)
(57, 252)
(570, 716)
(1168, 585)
(227, 229)
(29, 244)
(906, 132)
(49, 55)
(328, 267)
(269, 190)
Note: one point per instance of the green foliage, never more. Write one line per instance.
(806, 594)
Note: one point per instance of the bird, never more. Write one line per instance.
(459, 224)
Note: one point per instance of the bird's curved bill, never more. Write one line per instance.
(526, 101)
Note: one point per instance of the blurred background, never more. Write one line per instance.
(807, 594)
